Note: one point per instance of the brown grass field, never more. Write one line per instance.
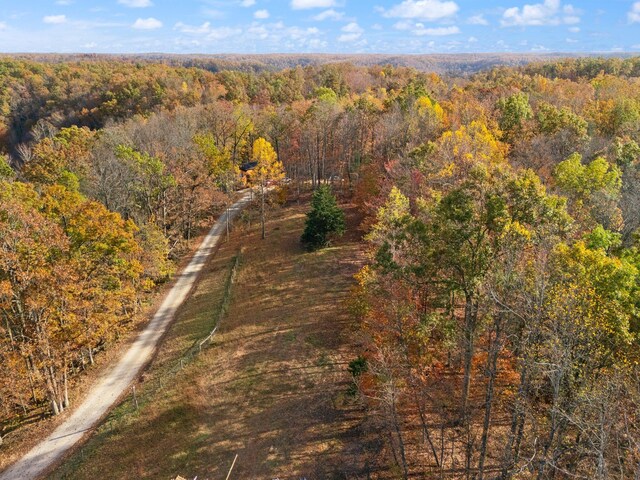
(273, 385)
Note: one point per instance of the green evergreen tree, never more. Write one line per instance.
(324, 220)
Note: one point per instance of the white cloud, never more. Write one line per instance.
(305, 4)
(222, 33)
(147, 24)
(258, 31)
(64, 2)
(420, 29)
(550, 12)
(472, 40)
(423, 9)
(634, 13)
(328, 15)
(194, 30)
(317, 44)
(247, 3)
(207, 32)
(403, 25)
(261, 14)
(352, 27)
(298, 33)
(3, 26)
(477, 20)
(574, 29)
(136, 3)
(352, 32)
(55, 19)
(349, 37)
(436, 32)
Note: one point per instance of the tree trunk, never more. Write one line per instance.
(262, 209)
(56, 390)
(470, 314)
(10, 331)
(32, 384)
(189, 218)
(425, 428)
(52, 396)
(468, 451)
(164, 212)
(66, 389)
(547, 448)
(492, 368)
(398, 431)
(512, 448)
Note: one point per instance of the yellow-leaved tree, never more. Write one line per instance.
(267, 171)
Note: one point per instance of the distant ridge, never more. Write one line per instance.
(453, 64)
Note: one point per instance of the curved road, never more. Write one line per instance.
(115, 382)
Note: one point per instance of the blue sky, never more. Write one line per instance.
(335, 26)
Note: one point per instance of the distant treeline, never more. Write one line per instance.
(453, 64)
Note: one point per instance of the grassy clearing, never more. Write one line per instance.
(272, 387)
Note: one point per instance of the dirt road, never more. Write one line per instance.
(115, 382)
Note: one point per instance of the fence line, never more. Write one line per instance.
(139, 397)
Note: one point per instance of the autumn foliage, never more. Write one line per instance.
(498, 310)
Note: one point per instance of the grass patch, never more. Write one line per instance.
(314, 340)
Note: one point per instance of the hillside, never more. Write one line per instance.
(272, 387)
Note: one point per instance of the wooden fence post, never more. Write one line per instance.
(135, 398)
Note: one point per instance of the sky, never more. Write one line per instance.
(322, 26)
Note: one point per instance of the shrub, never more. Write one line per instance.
(324, 220)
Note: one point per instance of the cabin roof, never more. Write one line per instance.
(245, 167)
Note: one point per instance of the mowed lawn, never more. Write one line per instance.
(273, 385)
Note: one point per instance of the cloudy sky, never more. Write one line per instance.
(366, 26)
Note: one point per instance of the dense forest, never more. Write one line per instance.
(457, 64)
(498, 311)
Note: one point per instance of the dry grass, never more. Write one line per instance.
(273, 386)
